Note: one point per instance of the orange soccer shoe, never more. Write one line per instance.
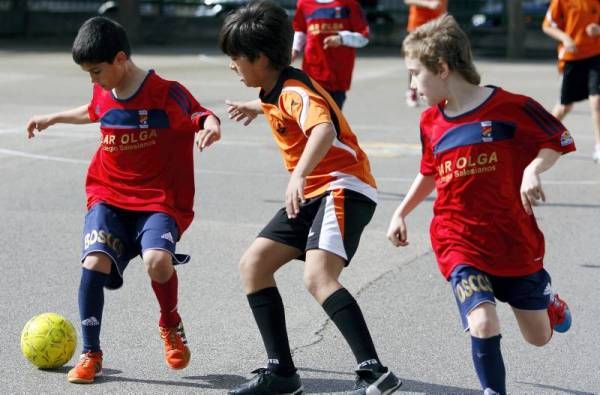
(177, 353)
(87, 369)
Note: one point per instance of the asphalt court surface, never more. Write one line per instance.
(240, 184)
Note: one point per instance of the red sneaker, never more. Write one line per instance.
(87, 369)
(559, 313)
(177, 353)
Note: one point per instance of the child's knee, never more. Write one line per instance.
(98, 262)
(159, 265)
(312, 282)
(483, 322)
(249, 267)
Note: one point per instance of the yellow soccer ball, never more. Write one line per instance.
(48, 340)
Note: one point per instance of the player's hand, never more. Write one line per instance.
(39, 123)
(294, 195)
(207, 136)
(240, 111)
(397, 232)
(531, 190)
(569, 45)
(593, 29)
(332, 41)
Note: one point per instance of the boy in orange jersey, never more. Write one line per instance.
(419, 13)
(576, 25)
(330, 198)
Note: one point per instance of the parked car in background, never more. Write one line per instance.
(488, 27)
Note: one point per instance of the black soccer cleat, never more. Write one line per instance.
(267, 382)
(369, 382)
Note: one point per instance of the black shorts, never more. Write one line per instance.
(331, 222)
(581, 79)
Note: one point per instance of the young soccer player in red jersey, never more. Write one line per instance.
(327, 33)
(140, 183)
(576, 25)
(483, 151)
(419, 13)
(330, 198)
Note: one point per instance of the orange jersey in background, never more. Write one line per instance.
(293, 108)
(420, 15)
(572, 17)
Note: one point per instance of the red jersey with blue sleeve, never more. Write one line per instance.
(477, 160)
(145, 161)
(331, 68)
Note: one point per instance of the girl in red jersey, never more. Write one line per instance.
(483, 151)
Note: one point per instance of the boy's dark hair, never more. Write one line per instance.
(260, 27)
(99, 40)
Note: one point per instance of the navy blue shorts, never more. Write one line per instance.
(473, 287)
(124, 234)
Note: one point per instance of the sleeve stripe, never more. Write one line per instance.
(558, 127)
(547, 122)
(305, 102)
(179, 96)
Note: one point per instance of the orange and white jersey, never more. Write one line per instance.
(572, 17)
(293, 108)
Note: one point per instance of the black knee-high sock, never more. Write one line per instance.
(345, 313)
(487, 358)
(91, 304)
(269, 314)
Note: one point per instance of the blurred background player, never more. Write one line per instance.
(330, 197)
(483, 152)
(420, 12)
(140, 183)
(327, 32)
(576, 25)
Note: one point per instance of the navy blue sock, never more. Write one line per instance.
(488, 362)
(91, 303)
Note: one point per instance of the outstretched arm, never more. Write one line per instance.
(531, 185)
(421, 187)
(77, 115)
(319, 142)
(243, 111)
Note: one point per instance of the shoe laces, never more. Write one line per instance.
(364, 377)
(558, 308)
(171, 338)
(88, 359)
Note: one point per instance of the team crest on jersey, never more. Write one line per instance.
(486, 131)
(143, 119)
(338, 12)
(565, 138)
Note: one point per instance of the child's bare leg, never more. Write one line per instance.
(534, 325)
(560, 111)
